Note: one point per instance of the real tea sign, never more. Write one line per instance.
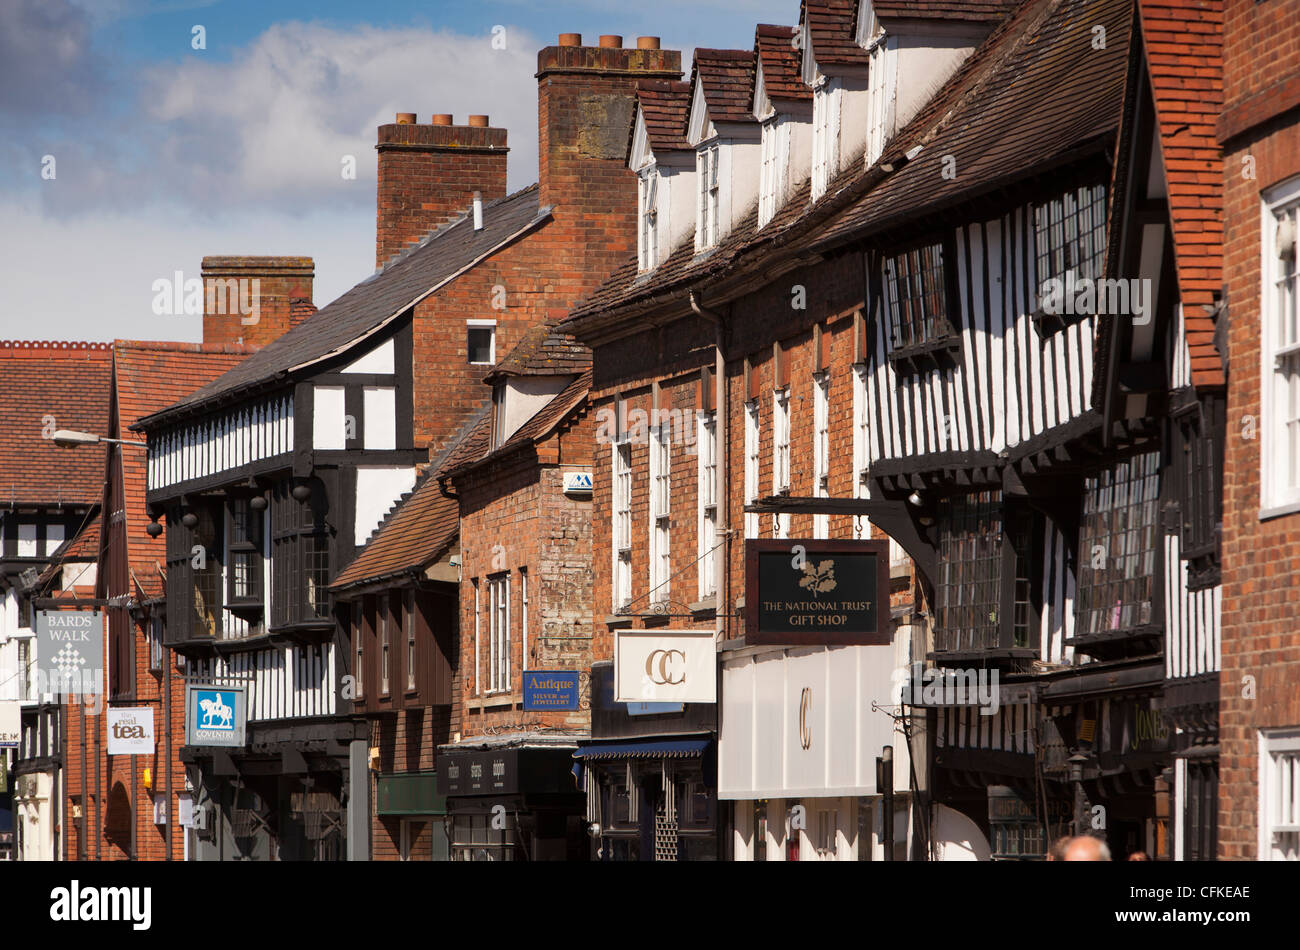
(806, 593)
(130, 730)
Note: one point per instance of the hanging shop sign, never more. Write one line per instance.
(813, 593)
(551, 690)
(11, 725)
(70, 652)
(653, 666)
(130, 730)
(215, 715)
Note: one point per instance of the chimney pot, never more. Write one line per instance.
(570, 39)
(647, 42)
(611, 41)
(478, 121)
(406, 118)
(478, 211)
(441, 118)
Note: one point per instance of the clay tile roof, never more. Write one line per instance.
(69, 383)
(81, 548)
(944, 9)
(416, 532)
(1022, 57)
(1184, 55)
(727, 78)
(1040, 100)
(543, 351)
(779, 60)
(665, 106)
(377, 300)
(150, 376)
(832, 27)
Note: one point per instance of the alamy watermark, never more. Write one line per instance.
(221, 295)
(1087, 297)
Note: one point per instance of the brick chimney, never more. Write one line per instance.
(586, 104)
(255, 299)
(428, 174)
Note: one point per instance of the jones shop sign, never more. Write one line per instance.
(215, 715)
(807, 593)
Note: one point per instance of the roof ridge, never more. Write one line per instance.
(43, 348)
(181, 346)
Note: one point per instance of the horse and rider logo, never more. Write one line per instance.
(217, 714)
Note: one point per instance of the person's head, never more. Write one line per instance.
(1086, 848)
(1139, 856)
(1057, 851)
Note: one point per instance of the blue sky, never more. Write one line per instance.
(155, 153)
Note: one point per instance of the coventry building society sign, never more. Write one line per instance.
(806, 593)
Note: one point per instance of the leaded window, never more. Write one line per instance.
(916, 297)
(970, 589)
(1070, 234)
(244, 526)
(1117, 546)
(300, 558)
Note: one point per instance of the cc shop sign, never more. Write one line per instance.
(678, 666)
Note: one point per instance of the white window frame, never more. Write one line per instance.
(660, 513)
(753, 444)
(621, 521)
(775, 151)
(707, 225)
(498, 634)
(821, 384)
(359, 649)
(878, 97)
(1279, 450)
(826, 135)
(781, 456)
(648, 187)
(408, 627)
(1279, 794)
(492, 346)
(523, 617)
(383, 614)
(706, 440)
(478, 629)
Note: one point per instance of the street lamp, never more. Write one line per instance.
(71, 438)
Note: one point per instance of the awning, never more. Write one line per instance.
(658, 749)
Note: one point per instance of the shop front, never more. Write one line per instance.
(650, 774)
(513, 798)
(412, 800)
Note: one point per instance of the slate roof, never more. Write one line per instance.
(665, 105)
(991, 115)
(374, 302)
(727, 78)
(945, 9)
(149, 376)
(1184, 57)
(543, 351)
(832, 27)
(780, 61)
(70, 382)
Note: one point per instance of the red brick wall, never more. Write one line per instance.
(515, 515)
(407, 742)
(1261, 559)
(672, 355)
(284, 286)
(428, 175)
(103, 771)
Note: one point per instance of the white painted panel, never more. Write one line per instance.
(378, 360)
(777, 701)
(677, 666)
(378, 487)
(328, 423)
(380, 406)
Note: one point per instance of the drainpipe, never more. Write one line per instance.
(722, 564)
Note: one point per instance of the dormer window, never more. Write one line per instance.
(648, 218)
(707, 228)
(776, 159)
(826, 136)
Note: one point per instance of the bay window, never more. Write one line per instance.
(916, 297)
